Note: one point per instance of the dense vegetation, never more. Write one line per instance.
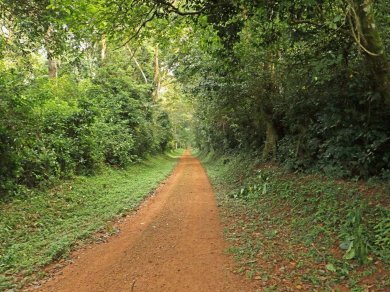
(304, 84)
(55, 128)
(66, 111)
(300, 231)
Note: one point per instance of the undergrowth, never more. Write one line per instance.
(302, 231)
(43, 226)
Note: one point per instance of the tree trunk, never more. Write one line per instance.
(157, 79)
(267, 111)
(137, 64)
(367, 36)
(52, 66)
(51, 61)
(103, 51)
(270, 145)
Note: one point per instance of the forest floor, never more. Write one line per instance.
(286, 230)
(174, 242)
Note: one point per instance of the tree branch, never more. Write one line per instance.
(304, 21)
(174, 9)
(142, 25)
(136, 63)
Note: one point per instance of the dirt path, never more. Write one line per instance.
(173, 243)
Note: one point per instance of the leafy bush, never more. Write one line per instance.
(116, 142)
(51, 129)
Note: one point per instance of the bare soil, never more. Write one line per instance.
(174, 242)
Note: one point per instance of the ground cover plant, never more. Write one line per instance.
(302, 232)
(42, 226)
(305, 85)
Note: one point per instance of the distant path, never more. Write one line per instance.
(173, 243)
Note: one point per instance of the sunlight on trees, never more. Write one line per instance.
(85, 83)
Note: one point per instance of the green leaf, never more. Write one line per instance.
(350, 254)
(331, 267)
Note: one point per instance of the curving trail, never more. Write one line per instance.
(174, 242)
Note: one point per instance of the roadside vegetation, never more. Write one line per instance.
(299, 231)
(43, 226)
(53, 128)
(302, 86)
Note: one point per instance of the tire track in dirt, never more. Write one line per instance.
(174, 242)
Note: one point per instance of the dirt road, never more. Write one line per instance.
(174, 242)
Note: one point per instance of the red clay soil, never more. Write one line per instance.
(174, 242)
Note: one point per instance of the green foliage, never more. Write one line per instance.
(253, 190)
(382, 234)
(46, 225)
(339, 230)
(52, 129)
(355, 233)
(291, 81)
(361, 227)
(288, 79)
(116, 142)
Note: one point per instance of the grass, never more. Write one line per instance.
(304, 232)
(44, 226)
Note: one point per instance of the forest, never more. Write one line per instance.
(260, 90)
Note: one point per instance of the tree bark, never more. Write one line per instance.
(137, 64)
(367, 36)
(267, 112)
(52, 66)
(157, 78)
(271, 139)
(103, 48)
(51, 61)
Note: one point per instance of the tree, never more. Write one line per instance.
(361, 15)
